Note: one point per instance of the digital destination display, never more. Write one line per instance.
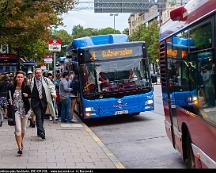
(117, 52)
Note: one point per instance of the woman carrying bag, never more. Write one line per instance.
(18, 95)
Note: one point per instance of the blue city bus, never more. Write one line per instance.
(113, 74)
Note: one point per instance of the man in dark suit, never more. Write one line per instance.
(43, 91)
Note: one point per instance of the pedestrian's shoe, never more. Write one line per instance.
(50, 118)
(72, 121)
(42, 135)
(19, 152)
(32, 124)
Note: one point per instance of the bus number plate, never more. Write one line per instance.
(121, 112)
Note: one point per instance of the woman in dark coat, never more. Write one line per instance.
(20, 93)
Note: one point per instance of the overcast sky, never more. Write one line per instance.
(89, 19)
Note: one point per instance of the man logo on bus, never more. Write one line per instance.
(120, 104)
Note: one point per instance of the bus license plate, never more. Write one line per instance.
(121, 112)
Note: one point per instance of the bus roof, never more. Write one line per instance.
(183, 16)
(84, 42)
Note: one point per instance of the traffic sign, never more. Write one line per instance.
(55, 45)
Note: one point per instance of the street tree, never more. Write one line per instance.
(79, 31)
(149, 34)
(26, 23)
(126, 31)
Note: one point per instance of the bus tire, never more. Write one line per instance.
(136, 113)
(189, 157)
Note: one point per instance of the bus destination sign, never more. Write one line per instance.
(102, 54)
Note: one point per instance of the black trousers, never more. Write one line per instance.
(39, 111)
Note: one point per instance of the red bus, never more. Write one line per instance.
(188, 78)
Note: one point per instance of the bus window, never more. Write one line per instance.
(206, 84)
(106, 77)
(181, 72)
(88, 78)
(202, 36)
(123, 74)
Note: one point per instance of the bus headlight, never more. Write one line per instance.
(192, 99)
(89, 109)
(148, 102)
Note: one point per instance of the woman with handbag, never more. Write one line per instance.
(18, 95)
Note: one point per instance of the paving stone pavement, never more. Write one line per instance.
(66, 146)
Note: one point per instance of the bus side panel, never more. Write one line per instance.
(167, 118)
(116, 106)
(203, 136)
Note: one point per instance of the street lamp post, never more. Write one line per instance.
(114, 15)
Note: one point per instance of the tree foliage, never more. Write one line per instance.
(149, 34)
(26, 23)
(79, 31)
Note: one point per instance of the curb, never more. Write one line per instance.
(109, 154)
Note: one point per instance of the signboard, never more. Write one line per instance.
(127, 6)
(43, 67)
(4, 48)
(116, 52)
(55, 45)
(8, 56)
(48, 59)
(111, 52)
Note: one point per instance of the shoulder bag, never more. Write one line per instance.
(11, 111)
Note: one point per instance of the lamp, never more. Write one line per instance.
(114, 15)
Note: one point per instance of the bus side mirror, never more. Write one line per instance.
(178, 14)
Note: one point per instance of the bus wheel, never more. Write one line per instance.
(136, 113)
(189, 160)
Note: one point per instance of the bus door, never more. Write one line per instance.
(166, 90)
(171, 96)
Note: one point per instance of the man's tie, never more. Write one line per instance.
(39, 87)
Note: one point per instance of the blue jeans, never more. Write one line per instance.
(65, 109)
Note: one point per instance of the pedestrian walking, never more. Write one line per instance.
(43, 91)
(51, 117)
(20, 93)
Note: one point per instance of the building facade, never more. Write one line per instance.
(135, 20)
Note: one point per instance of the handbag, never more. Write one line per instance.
(11, 112)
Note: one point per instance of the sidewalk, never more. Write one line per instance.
(66, 146)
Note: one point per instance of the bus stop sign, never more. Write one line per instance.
(55, 45)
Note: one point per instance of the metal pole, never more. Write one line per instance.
(54, 66)
(114, 21)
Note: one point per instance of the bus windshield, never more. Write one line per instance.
(115, 78)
